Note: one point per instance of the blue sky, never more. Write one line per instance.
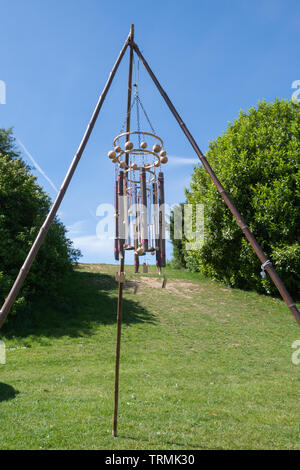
(213, 59)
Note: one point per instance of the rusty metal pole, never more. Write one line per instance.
(136, 257)
(157, 227)
(45, 227)
(244, 227)
(162, 230)
(116, 249)
(122, 251)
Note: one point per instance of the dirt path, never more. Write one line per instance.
(175, 287)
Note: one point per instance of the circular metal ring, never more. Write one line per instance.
(136, 152)
(147, 181)
(137, 133)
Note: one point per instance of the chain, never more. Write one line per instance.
(129, 112)
(146, 115)
(137, 100)
(138, 113)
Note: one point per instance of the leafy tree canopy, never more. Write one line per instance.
(23, 209)
(258, 162)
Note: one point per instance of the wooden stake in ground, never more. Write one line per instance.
(122, 252)
(118, 345)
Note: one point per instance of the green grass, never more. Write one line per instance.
(202, 367)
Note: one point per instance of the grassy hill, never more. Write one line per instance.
(202, 367)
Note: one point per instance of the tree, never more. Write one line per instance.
(7, 144)
(257, 160)
(23, 209)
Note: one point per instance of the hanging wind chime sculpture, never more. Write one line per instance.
(139, 193)
(139, 196)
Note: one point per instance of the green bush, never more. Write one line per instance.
(23, 209)
(257, 161)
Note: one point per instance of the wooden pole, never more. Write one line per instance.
(119, 313)
(129, 93)
(244, 227)
(45, 227)
(122, 252)
(136, 257)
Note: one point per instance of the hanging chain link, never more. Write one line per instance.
(145, 113)
(127, 114)
(137, 100)
(138, 113)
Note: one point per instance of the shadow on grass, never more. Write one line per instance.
(88, 299)
(7, 392)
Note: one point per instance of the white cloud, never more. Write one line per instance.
(176, 161)
(94, 249)
(77, 228)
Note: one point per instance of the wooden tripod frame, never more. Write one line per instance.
(45, 227)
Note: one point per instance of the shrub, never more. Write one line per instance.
(257, 161)
(23, 209)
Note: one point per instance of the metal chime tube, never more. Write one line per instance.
(136, 232)
(162, 228)
(143, 210)
(136, 242)
(116, 250)
(156, 225)
(150, 222)
(125, 202)
(128, 224)
(122, 215)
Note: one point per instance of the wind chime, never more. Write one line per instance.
(139, 193)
